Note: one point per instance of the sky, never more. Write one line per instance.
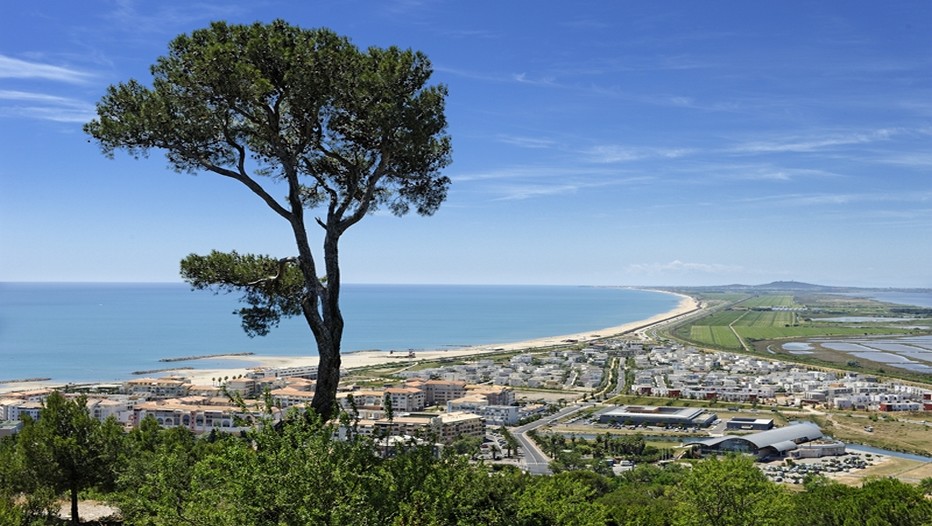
(594, 143)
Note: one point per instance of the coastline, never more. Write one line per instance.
(353, 360)
(359, 359)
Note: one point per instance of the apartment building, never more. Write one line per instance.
(439, 392)
(157, 387)
(405, 398)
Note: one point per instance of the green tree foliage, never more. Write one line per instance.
(11, 512)
(730, 492)
(345, 131)
(926, 485)
(511, 443)
(467, 445)
(878, 502)
(644, 496)
(454, 492)
(296, 473)
(824, 502)
(560, 499)
(67, 451)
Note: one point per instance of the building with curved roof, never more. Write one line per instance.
(772, 443)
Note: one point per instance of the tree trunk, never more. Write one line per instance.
(329, 334)
(328, 379)
(75, 520)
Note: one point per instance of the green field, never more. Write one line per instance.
(769, 300)
(767, 319)
(715, 336)
(803, 331)
(720, 318)
(752, 320)
(764, 322)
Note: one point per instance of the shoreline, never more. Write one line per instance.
(358, 359)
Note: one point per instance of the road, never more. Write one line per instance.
(535, 461)
(619, 387)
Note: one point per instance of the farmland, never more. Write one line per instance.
(770, 301)
(766, 318)
(763, 322)
(718, 336)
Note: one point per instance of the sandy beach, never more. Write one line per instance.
(366, 358)
(353, 360)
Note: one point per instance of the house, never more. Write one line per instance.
(289, 396)
(17, 410)
(9, 428)
(301, 371)
(439, 392)
(197, 418)
(157, 387)
(405, 398)
(362, 399)
(443, 427)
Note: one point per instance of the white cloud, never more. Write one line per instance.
(758, 172)
(677, 266)
(521, 192)
(612, 153)
(816, 199)
(527, 142)
(45, 107)
(13, 68)
(154, 17)
(811, 144)
(542, 81)
(472, 75)
(529, 190)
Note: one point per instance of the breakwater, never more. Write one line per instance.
(205, 357)
(24, 380)
(165, 370)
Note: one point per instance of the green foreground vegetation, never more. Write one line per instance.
(296, 473)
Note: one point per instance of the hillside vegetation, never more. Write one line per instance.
(296, 473)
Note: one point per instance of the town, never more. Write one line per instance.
(705, 402)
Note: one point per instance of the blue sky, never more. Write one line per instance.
(604, 143)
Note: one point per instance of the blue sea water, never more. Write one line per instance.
(919, 299)
(103, 332)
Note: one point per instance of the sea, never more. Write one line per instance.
(82, 332)
(916, 299)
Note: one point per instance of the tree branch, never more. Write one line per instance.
(250, 183)
(281, 270)
(366, 201)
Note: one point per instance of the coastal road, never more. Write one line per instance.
(535, 461)
(649, 332)
(619, 377)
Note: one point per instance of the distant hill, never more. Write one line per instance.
(793, 285)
